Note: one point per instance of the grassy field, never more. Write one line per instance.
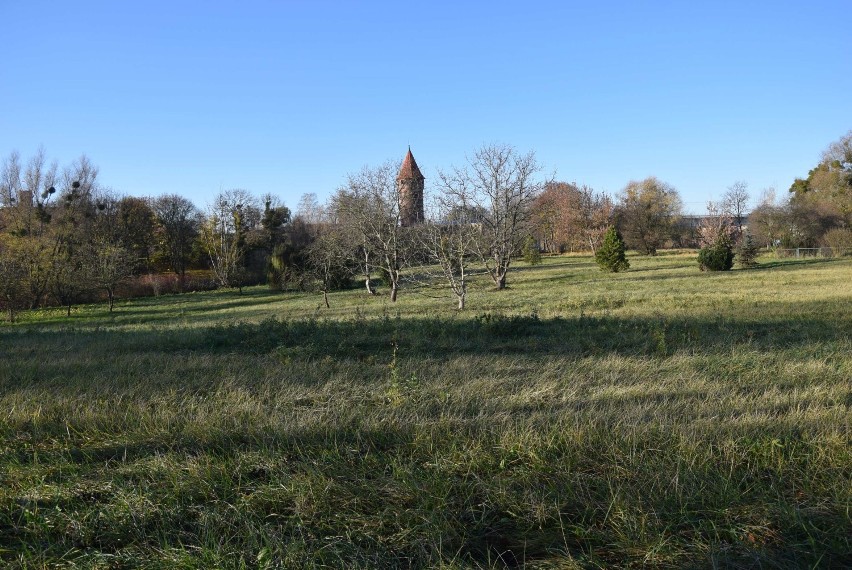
(660, 417)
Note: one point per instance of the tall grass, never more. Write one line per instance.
(660, 417)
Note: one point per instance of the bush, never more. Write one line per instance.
(839, 240)
(532, 253)
(717, 257)
(610, 256)
(747, 253)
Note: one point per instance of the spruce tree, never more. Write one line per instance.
(532, 253)
(718, 256)
(610, 256)
(747, 252)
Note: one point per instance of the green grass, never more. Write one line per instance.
(660, 417)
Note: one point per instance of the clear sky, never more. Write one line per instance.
(289, 97)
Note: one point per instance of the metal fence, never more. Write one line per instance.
(814, 252)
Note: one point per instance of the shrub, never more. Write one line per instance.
(839, 240)
(532, 253)
(747, 253)
(610, 256)
(717, 257)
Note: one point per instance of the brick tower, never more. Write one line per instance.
(410, 182)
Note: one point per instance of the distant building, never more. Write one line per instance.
(410, 183)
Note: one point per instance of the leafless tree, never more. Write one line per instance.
(12, 281)
(451, 245)
(735, 204)
(310, 209)
(223, 234)
(328, 260)
(177, 227)
(10, 179)
(717, 223)
(107, 265)
(368, 207)
(499, 183)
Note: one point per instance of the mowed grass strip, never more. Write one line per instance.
(661, 417)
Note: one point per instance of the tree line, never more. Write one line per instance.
(65, 237)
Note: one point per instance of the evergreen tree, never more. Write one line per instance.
(747, 253)
(610, 256)
(718, 256)
(532, 253)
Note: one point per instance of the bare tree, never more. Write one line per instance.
(328, 260)
(717, 223)
(310, 209)
(223, 234)
(10, 179)
(452, 247)
(107, 265)
(368, 206)
(177, 227)
(346, 211)
(735, 204)
(499, 183)
(12, 281)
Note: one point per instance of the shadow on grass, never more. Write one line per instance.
(795, 263)
(487, 333)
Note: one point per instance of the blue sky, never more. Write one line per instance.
(289, 97)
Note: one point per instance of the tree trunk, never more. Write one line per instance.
(369, 285)
(394, 289)
(501, 281)
(111, 296)
(461, 301)
(69, 309)
(325, 298)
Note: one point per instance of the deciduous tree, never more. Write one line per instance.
(230, 217)
(647, 212)
(500, 183)
(735, 204)
(177, 228)
(368, 207)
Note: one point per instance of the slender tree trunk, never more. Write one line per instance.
(69, 309)
(394, 290)
(111, 296)
(461, 301)
(367, 282)
(325, 298)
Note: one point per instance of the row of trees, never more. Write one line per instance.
(819, 209)
(62, 235)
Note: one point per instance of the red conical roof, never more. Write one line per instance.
(409, 168)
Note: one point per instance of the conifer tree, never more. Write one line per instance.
(532, 253)
(719, 256)
(747, 253)
(610, 256)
